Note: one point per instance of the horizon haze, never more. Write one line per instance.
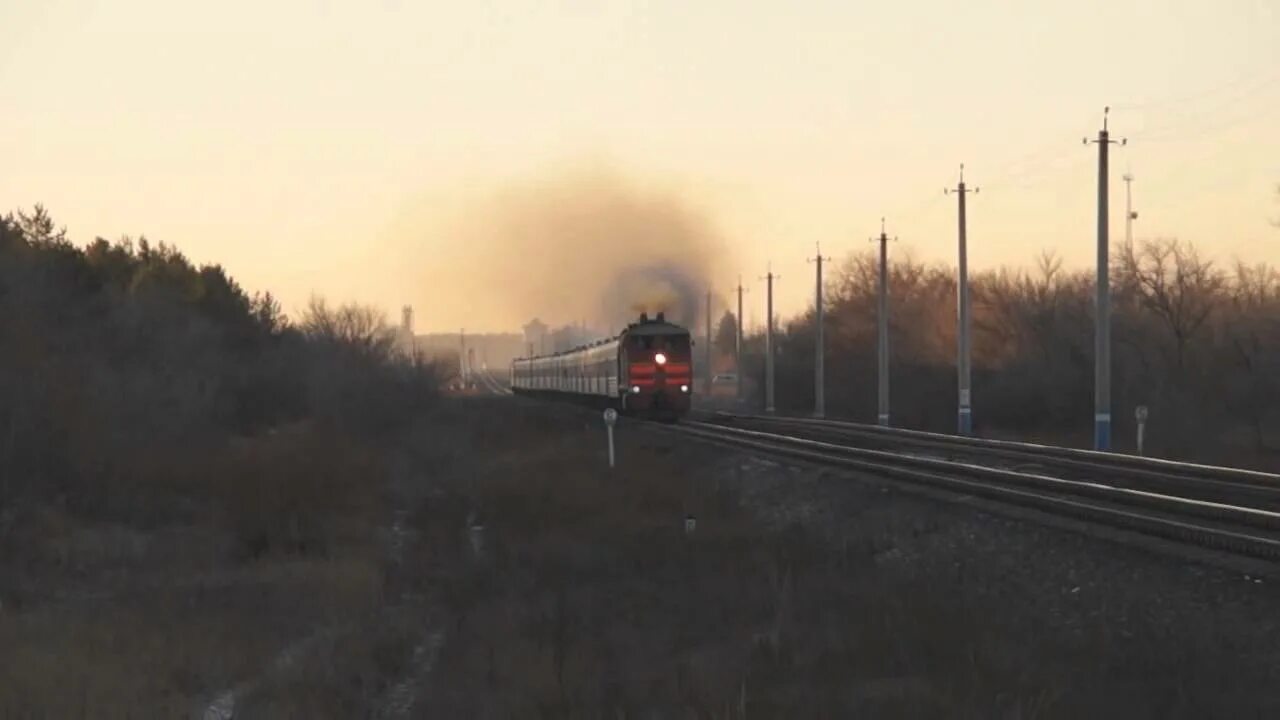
(332, 147)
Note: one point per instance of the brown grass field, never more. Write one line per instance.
(278, 575)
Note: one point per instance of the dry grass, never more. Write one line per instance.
(150, 650)
(345, 676)
(590, 601)
(270, 541)
(299, 492)
(586, 599)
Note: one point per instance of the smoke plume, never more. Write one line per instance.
(588, 246)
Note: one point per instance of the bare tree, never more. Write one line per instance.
(1199, 345)
(1171, 280)
(356, 328)
(1253, 331)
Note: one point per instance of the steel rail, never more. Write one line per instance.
(1202, 481)
(1243, 530)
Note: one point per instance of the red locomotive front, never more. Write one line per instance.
(658, 361)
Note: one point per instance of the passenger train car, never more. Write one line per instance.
(646, 370)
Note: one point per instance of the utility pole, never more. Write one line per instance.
(1102, 303)
(737, 346)
(462, 356)
(819, 369)
(882, 416)
(768, 342)
(708, 352)
(965, 420)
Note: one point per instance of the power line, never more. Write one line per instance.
(1211, 123)
(1268, 76)
(1052, 159)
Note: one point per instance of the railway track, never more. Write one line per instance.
(1201, 482)
(492, 384)
(1226, 509)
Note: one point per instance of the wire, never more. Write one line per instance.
(1268, 76)
(917, 207)
(1067, 159)
(1058, 157)
(1233, 121)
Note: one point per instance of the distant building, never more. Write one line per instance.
(535, 337)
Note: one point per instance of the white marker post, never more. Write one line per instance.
(610, 417)
(1140, 414)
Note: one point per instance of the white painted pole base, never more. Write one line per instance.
(1140, 414)
(610, 417)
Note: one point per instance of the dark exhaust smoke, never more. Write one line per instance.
(588, 246)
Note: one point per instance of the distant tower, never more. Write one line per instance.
(534, 337)
(406, 330)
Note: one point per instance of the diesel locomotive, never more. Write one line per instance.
(647, 370)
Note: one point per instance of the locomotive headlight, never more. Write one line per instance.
(635, 389)
(684, 388)
(660, 359)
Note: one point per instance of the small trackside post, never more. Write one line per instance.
(610, 418)
(1140, 414)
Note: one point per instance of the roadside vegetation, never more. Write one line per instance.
(188, 480)
(798, 594)
(1197, 343)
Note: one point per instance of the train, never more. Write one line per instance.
(645, 371)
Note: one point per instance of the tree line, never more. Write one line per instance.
(115, 354)
(1196, 342)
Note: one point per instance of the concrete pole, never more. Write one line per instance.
(737, 348)
(882, 416)
(819, 401)
(965, 411)
(1102, 304)
(1102, 337)
(768, 345)
(819, 359)
(462, 356)
(708, 352)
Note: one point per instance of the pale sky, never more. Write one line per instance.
(289, 140)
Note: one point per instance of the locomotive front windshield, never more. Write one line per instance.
(675, 346)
